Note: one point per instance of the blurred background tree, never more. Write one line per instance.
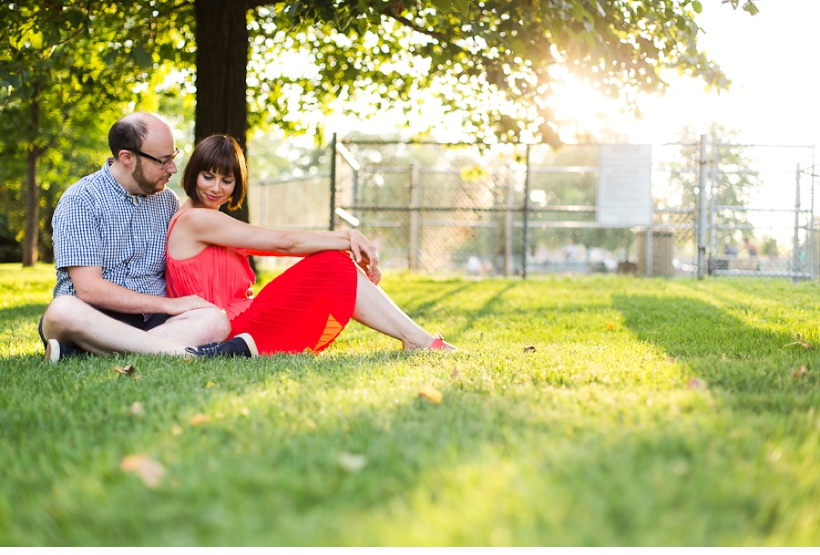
(68, 69)
(254, 63)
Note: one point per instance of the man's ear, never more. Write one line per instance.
(126, 158)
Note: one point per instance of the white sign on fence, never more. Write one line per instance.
(625, 185)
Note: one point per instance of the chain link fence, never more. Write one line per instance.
(531, 209)
(761, 211)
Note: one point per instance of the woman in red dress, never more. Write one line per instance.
(306, 307)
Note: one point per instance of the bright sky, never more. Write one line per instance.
(771, 59)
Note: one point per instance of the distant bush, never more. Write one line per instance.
(10, 248)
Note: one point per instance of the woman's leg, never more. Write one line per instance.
(376, 310)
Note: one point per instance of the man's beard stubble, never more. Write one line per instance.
(147, 187)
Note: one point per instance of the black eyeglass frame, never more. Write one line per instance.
(163, 163)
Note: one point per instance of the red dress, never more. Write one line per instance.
(304, 309)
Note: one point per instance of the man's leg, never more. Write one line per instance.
(195, 327)
(71, 321)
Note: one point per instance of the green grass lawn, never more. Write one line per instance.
(593, 438)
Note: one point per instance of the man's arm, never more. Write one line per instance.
(94, 290)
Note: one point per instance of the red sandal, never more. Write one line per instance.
(439, 344)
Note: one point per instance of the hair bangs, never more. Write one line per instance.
(223, 160)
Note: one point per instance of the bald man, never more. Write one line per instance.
(109, 250)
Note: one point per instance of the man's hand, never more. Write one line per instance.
(94, 290)
(366, 256)
(184, 304)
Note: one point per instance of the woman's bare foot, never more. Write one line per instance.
(438, 344)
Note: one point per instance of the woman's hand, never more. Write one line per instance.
(365, 255)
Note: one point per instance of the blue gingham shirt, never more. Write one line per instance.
(98, 223)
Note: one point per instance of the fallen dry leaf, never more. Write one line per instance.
(200, 418)
(805, 344)
(697, 383)
(147, 469)
(673, 360)
(530, 349)
(136, 409)
(128, 370)
(799, 341)
(351, 462)
(798, 372)
(431, 394)
(454, 373)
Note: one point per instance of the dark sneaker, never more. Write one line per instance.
(57, 351)
(242, 345)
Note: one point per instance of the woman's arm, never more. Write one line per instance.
(216, 228)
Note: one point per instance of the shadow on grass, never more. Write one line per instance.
(751, 365)
(31, 311)
(430, 301)
(476, 469)
(488, 309)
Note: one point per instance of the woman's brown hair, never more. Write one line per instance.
(218, 154)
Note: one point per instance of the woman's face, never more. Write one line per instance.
(214, 189)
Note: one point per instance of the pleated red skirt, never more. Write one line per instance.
(305, 308)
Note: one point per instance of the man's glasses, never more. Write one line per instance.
(162, 163)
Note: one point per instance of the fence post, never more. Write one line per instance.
(332, 225)
(415, 217)
(526, 216)
(713, 196)
(796, 246)
(702, 214)
(508, 225)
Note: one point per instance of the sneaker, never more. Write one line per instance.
(57, 351)
(242, 345)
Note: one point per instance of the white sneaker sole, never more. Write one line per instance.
(52, 351)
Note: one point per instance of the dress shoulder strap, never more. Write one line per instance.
(174, 219)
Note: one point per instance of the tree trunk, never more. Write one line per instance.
(32, 231)
(46, 234)
(221, 70)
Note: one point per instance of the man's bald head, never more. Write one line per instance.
(130, 131)
(138, 137)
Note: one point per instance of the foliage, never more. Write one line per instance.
(768, 247)
(494, 63)
(593, 437)
(68, 70)
(748, 5)
(10, 249)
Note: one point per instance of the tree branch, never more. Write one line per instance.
(180, 6)
(407, 23)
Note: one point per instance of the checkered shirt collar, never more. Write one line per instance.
(114, 186)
